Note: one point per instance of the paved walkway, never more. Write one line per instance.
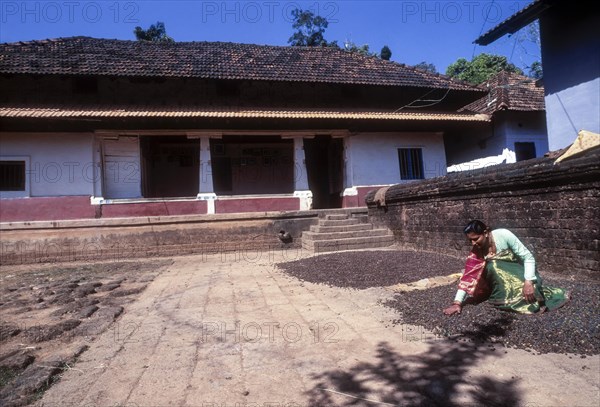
(221, 331)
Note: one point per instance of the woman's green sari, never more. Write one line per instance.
(505, 276)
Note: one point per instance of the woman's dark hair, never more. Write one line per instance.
(475, 226)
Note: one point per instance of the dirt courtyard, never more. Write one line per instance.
(50, 314)
(230, 329)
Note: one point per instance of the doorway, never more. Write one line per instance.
(171, 166)
(524, 151)
(252, 165)
(325, 170)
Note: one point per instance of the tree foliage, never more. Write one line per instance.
(532, 34)
(156, 33)
(426, 67)
(535, 70)
(386, 53)
(360, 49)
(480, 68)
(310, 30)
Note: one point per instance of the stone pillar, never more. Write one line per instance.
(206, 189)
(350, 194)
(97, 172)
(301, 189)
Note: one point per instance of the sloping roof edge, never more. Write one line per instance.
(514, 23)
(508, 91)
(213, 60)
(115, 112)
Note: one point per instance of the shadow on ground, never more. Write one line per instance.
(437, 377)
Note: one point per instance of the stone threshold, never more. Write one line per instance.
(175, 219)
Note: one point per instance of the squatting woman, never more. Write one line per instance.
(501, 270)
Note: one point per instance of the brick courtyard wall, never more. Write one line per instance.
(231, 236)
(553, 208)
(247, 237)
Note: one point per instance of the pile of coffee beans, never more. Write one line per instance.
(372, 268)
(573, 329)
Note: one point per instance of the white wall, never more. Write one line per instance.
(122, 169)
(59, 163)
(525, 134)
(374, 156)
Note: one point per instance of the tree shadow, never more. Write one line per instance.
(437, 377)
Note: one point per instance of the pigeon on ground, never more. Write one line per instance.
(284, 236)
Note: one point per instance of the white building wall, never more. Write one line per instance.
(374, 156)
(60, 164)
(122, 169)
(495, 143)
(524, 134)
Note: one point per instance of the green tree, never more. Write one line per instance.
(156, 32)
(480, 68)
(386, 53)
(310, 30)
(535, 70)
(360, 49)
(426, 67)
(457, 68)
(532, 34)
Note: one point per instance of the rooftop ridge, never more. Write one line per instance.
(508, 91)
(214, 59)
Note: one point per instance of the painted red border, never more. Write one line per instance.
(165, 208)
(257, 205)
(46, 208)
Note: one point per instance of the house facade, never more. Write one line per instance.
(569, 44)
(95, 128)
(517, 130)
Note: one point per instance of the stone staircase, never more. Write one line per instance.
(339, 232)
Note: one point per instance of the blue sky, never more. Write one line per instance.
(438, 32)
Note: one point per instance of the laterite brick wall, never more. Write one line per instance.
(553, 208)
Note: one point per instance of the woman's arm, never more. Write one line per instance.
(460, 296)
(456, 306)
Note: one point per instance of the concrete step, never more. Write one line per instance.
(343, 235)
(361, 218)
(343, 222)
(336, 217)
(348, 228)
(354, 243)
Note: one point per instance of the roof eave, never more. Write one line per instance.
(515, 22)
(451, 84)
(128, 113)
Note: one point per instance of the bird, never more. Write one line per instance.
(284, 236)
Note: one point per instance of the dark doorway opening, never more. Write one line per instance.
(252, 165)
(170, 165)
(524, 151)
(325, 168)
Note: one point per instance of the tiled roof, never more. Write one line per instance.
(212, 60)
(129, 112)
(508, 91)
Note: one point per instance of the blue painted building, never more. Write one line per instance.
(571, 62)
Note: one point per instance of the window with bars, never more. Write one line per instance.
(12, 175)
(411, 163)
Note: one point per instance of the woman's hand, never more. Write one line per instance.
(529, 291)
(455, 308)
